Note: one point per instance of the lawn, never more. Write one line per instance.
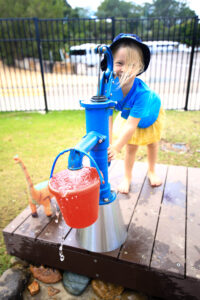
(38, 138)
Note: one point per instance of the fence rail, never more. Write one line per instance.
(43, 66)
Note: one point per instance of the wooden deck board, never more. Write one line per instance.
(169, 248)
(193, 224)
(138, 247)
(160, 256)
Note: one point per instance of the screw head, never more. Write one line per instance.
(106, 200)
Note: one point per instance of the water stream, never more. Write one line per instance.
(62, 257)
(57, 210)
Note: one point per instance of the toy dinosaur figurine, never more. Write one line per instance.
(38, 194)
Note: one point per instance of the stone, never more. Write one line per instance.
(133, 295)
(17, 261)
(12, 284)
(34, 288)
(52, 291)
(62, 295)
(106, 290)
(74, 283)
(46, 275)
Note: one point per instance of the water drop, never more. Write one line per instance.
(61, 255)
(62, 258)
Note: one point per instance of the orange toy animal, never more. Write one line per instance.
(38, 194)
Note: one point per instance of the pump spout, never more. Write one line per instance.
(87, 143)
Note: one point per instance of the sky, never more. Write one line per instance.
(93, 4)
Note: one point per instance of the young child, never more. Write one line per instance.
(141, 117)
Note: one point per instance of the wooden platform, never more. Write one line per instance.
(161, 256)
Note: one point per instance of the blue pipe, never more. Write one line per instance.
(87, 143)
(84, 153)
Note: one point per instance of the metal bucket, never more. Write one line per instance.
(108, 233)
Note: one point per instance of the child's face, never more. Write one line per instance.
(119, 62)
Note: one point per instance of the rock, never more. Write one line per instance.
(62, 295)
(74, 283)
(17, 261)
(46, 275)
(12, 284)
(52, 291)
(34, 288)
(132, 295)
(106, 291)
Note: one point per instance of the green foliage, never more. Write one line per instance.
(20, 31)
(118, 8)
(34, 8)
(159, 8)
(170, 8)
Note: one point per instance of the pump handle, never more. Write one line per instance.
(104, 49)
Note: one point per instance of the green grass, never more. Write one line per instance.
(37, 139)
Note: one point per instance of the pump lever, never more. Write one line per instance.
(99, 75)
(104, 49)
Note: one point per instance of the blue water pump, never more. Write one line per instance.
(108, 232)
(97, 111)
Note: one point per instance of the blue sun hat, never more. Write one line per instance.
(132, 38)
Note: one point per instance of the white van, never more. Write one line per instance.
(162, 46)
(84, 54)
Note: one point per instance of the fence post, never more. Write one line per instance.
(113, 28)
(191, 61)
(40, 60)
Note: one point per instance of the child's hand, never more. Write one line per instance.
(112, 153)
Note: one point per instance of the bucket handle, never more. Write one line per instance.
(85, 153)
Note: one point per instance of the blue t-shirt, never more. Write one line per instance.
(140, 102)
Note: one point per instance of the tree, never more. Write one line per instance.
(118, 8)
(169, 8)
(34, 8)
(159, 8)
(16, 33)
(83, 12)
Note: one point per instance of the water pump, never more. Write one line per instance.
(106, 231)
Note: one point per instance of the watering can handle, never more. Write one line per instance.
(85, 153)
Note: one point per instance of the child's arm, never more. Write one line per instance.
(124, 137)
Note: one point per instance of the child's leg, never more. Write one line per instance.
(152, 152)
(128, 164)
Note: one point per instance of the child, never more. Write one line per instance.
(141, 118)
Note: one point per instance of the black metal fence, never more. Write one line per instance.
(49, 64)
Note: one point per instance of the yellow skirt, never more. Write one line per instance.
(141, 136)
